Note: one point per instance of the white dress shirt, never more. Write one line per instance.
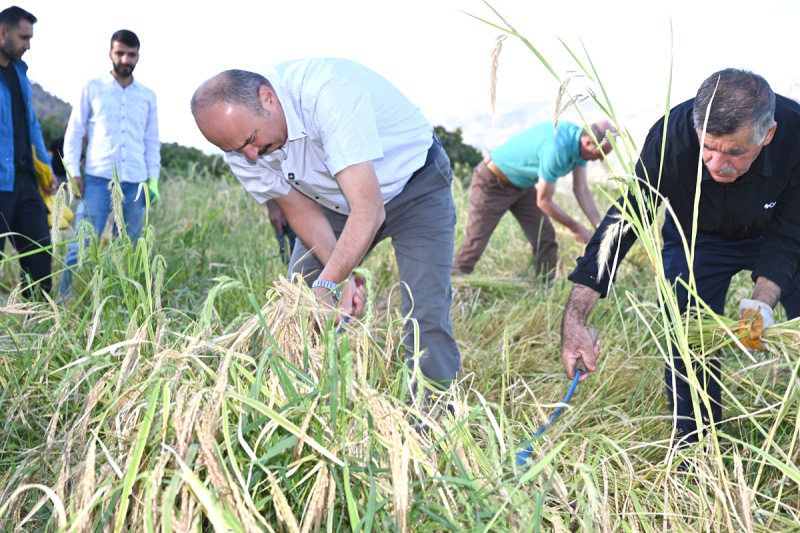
(338, 113)
(122, 125)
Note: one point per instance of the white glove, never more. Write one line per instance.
(759, 307)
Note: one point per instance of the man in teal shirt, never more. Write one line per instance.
(520, 176)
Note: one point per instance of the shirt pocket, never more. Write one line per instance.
(766, 211)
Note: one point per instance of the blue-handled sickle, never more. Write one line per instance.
(525, 455)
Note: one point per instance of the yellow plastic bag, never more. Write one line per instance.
(44, 175)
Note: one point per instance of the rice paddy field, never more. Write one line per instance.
(188, 387)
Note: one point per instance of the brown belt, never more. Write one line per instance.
(498, 173)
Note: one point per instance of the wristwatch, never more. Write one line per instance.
(336, 293)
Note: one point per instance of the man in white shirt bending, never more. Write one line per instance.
(350, 161)
(118, 114)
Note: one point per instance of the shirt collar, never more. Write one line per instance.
(114, 81)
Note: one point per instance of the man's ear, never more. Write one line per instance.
(268, 97)
(587, 147)
(770, 134)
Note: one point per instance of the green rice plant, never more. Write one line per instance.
(230, 402)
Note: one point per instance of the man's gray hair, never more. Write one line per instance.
(740, 99)
(238, 87)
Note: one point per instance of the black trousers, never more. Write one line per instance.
(23, 219)
(716, 261)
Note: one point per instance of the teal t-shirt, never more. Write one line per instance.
(538, 152)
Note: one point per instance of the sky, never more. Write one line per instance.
(432, 50)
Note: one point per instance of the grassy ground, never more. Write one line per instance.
(188, 388)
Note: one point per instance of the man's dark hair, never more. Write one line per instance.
(126, 37)
(739, 98)
(11, 16)
(238, 87)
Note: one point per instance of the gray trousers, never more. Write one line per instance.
(421, 223)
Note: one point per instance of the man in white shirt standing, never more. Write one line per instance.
(118, 114)
(350, 161)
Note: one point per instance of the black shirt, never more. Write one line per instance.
(764, 201)
(22, 143)
(57, 148)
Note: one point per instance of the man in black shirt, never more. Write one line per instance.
(23, 215)
(748, 219)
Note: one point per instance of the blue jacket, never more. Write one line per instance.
(7, 127)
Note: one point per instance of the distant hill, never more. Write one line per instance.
(47, 105)
(52, 112)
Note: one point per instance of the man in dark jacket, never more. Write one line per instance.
(23, 215)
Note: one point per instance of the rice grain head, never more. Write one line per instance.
(743, 493)
(282, 508)
(117, 199)
(64, 473)
(96, 286)
(316, 506)
(498, 47)
(95, 393)
(399, 458)
(578, 98)
(562, 89)
(118, 252)
(208, 454)
(53, 425)
(86, 490)
(83, 232)
(330, 507)
(59, 200)
(158, 286)
(71, 192)
(187, 418)
(390, 423)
